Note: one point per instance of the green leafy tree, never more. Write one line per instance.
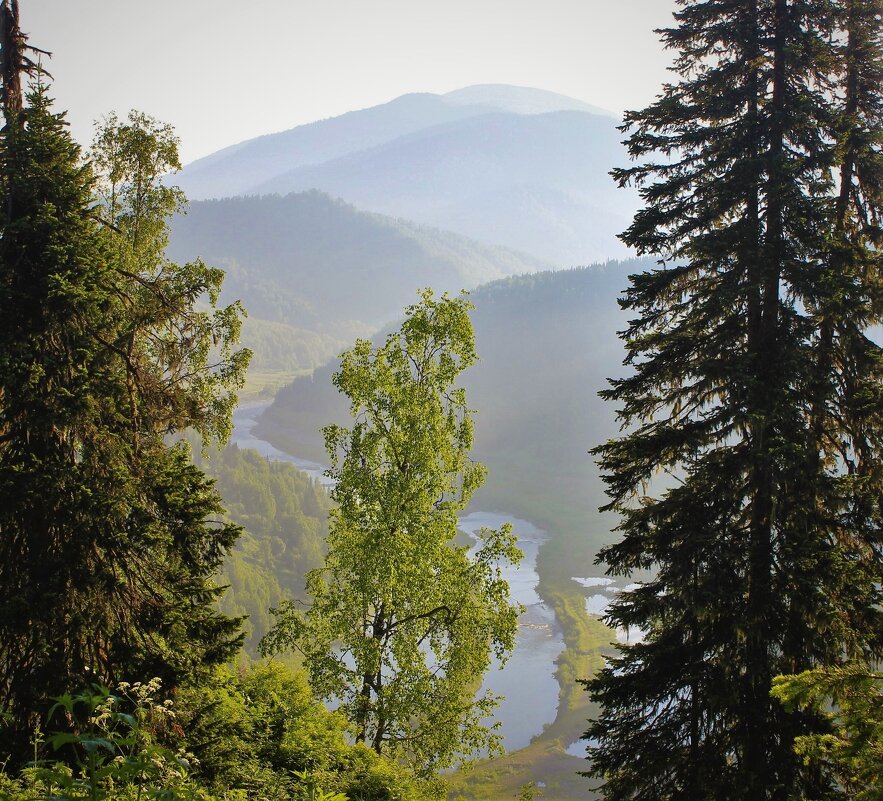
(263, 732)
(403, 621)
(851, 698)
(108, 535)
(179, 352)
(755, 386)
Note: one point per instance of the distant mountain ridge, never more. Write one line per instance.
(240, 168)
(249, 163)
(314, 272)
(511, 166)
(519, 100)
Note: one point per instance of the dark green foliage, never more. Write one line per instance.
(111, 751)
(108, 537)
(755, 387)
(256, 734)
(851, 696)
(284, 516)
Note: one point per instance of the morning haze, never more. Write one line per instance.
(227, 71)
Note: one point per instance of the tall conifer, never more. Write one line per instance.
(758, 568)
(109, 537)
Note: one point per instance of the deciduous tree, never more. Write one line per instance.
(404, 621)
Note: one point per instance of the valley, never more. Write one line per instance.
(315, 272)
(375, 426)
(542, 711)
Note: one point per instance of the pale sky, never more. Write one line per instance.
(221, 71)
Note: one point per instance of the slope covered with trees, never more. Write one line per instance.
(536, 183)
(284, 518)
(506, 165)
(315, 273)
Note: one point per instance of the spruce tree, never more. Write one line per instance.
(763, 544)
(109, 536)
(844, 302)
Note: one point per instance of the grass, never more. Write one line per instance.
(263, 385)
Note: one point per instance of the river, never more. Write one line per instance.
(527, 680)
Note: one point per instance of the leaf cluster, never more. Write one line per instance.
(403, 621)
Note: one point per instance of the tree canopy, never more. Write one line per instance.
(755, 386)
(403, 620)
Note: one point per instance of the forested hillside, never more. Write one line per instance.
(314, 273)
(547, 343)
(536, 183)
(284, 516)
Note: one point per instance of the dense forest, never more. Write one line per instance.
(284, 519)
(185, 619)
(315, 272)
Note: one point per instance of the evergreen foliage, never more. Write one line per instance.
(756, 387)
(284, 519)
(403, 621)
(108, 536)
(851, 696)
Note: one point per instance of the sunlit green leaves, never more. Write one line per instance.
(403, 620)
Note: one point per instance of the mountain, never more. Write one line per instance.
(518, 100)
(511, 166)
(238, 169)
(537, 183)
(314, 272)
(547, 343)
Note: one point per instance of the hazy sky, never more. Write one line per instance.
(223, 71)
